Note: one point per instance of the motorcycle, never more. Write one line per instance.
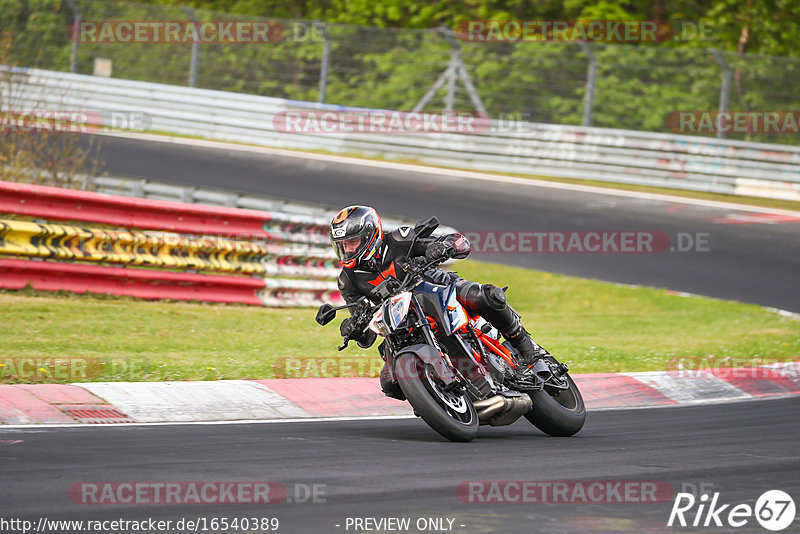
(452, 367)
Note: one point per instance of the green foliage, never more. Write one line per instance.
(770, 27)
(37, 32)
(637, 88)
(774, 25)
(388, 53)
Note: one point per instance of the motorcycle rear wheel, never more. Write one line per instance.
(452, 416)
(557, 412)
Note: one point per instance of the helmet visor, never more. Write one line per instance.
(351, 248)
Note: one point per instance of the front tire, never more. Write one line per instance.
(557, 412)
(452, 416)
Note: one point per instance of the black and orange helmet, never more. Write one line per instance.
(356, 235)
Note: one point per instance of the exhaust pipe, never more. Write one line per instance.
(503, 409)
(486, 408)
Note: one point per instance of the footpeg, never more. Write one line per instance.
(560, 370)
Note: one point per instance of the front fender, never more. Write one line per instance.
(428, 355)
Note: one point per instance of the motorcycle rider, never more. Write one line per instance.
(368, 257)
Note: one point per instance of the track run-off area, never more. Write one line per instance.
(345, 475)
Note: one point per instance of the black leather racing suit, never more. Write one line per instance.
(361, 281)
(486, 300)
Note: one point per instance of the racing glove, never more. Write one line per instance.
(349, 328)
(438, 252)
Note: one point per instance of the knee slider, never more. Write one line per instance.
(495, 297)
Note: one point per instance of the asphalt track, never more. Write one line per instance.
(757, 263)
(401, 468)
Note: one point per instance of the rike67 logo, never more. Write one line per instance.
(774, 510)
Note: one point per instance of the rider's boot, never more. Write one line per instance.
(389, 388)
(529, 351)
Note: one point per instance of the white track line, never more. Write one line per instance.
(122, 426)
(192, 401)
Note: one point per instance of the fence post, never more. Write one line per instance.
(324, 65)
(591, 76)
(450, 96)
(195, 48)
(468, 85)
(455, 69)
(444, 77)
(725, 89)
(77, 19)
(460, 70)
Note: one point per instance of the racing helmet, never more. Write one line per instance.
(356, 235)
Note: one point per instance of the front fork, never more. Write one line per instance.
(431, 352)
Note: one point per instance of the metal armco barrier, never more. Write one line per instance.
(53, 203)
(312, 219)
(644, 158)
(155, 249)
(293, 221)
(158, 241)
(149, 284)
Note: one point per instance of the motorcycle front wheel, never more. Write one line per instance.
(450, 414)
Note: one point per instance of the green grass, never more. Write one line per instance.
(594, 326)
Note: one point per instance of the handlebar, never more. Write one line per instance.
(364, 309)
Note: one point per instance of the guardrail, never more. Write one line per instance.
(140, 283)
(314, 216)
(645, 158)
(302, 221)
(279, 253)
(157, 249)
(291, 221)
(158, 242)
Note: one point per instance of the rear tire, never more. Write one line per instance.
(557, 412)
(452, 416)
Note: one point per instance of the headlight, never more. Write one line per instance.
(398, 308)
